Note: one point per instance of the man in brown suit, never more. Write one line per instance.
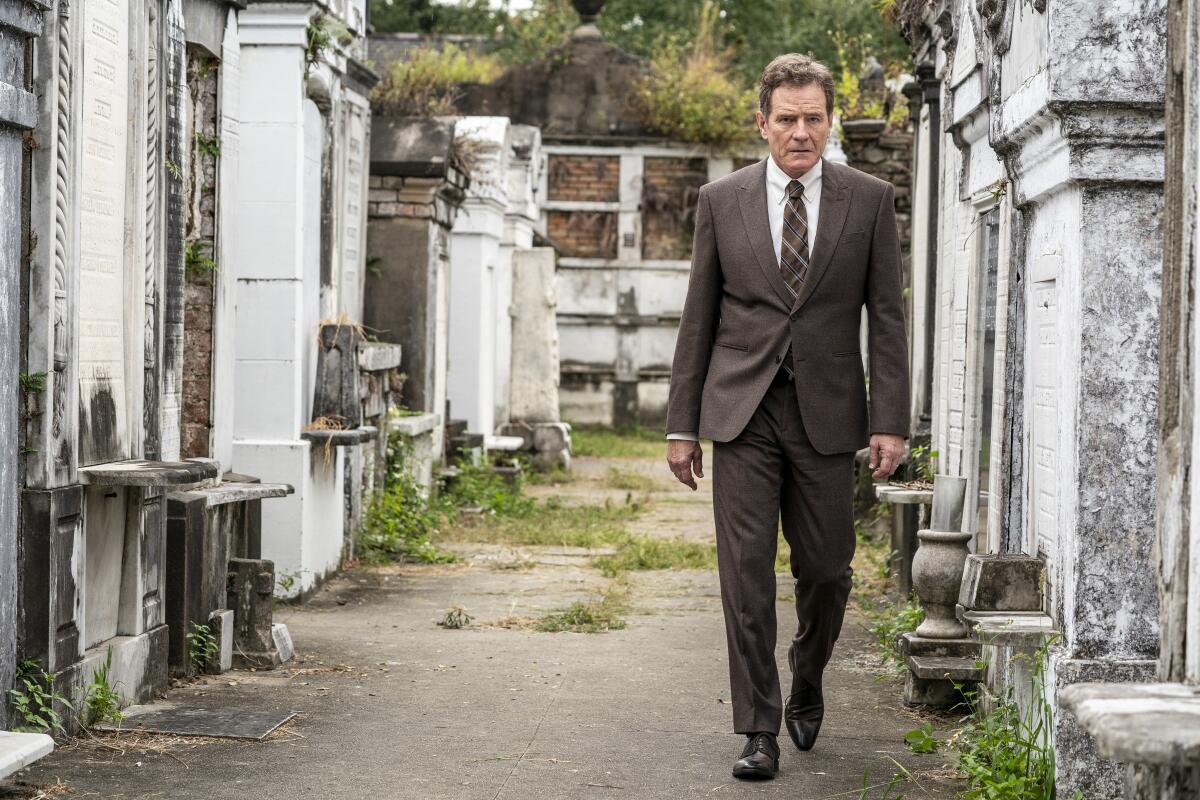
(767, 365)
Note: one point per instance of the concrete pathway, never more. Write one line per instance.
(394, 706)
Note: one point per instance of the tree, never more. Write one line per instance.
(426, 16)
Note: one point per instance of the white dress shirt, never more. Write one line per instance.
(777, 181)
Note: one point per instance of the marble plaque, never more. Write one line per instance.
(104, 268)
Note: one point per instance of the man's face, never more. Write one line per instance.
(797, 127)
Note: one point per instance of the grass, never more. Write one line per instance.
(628, 480)
(637, 553)
(590, 440)
(548, 524)
(592, 616)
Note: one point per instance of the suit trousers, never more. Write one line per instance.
(771, 470)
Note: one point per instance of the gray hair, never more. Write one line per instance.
(794, 69)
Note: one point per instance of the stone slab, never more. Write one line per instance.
(243, 492)
(1002, 582)
(960, 669)
(337, 438)
(378, 356)
(1141, 723)
(414, 424)
(231, 723)
(137, 472)
(909, 645)
(506, 443)
(1010, 628)
(19, 750)
(901, 496)
(283, 642)
(221, 622)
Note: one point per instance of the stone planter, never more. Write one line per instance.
(937, 575)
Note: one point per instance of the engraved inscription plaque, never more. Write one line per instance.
(103, 290)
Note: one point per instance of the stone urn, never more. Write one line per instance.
(937, 572)
(588, 9)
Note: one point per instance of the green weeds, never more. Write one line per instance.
(887, 623)
(33, 699)
(456, 617)
(592, 616)
(202, 646)
(101, 702)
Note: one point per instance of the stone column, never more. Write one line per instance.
(18, 114)
(475, 264)
(1076, 89)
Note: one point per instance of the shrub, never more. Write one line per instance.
(426, 82)
(690, 94)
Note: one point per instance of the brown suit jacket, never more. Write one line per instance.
(738, 319)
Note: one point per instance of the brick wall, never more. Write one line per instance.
(669, 190)
(434, 199)
(200, 263)
(590, 178)
(583, 234)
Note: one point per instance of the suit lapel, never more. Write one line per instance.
(752, 199)
(835, 205)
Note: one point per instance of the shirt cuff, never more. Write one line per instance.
(686, 436)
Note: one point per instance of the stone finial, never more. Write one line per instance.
(588, 11)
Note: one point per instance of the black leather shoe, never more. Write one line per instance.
(803, 713)
(759, 759)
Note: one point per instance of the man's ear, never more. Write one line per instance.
(762, 123)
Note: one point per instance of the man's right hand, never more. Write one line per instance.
(685, 458)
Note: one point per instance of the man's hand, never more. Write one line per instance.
(684, 458)
(886, 452)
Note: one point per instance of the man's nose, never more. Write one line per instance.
(800, 132)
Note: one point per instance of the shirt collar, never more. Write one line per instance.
(778, 180)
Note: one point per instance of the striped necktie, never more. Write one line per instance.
(794, 251)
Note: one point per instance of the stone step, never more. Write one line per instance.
(958, 670)
(19, 750)
(1017, 628)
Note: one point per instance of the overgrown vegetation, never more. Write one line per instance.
(202, 646)
(101, 703)
(33, 699)
(399, 518)
(427, 81)
(854, 101)
(703, 59)
(755, 30)
(1005, 750)
(33, 382)
(887, 622)
(323, 30)
(196, 261)
(689, 92)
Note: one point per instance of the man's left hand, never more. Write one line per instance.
(886, 452)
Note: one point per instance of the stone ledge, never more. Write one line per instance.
(1021, 628)
(19, 750)
(1139, 723)
(414, 425)
(136, 472)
